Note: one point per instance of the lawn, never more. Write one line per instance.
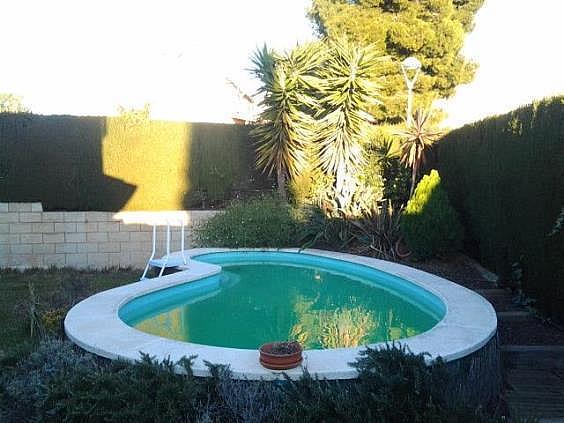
(56, 290)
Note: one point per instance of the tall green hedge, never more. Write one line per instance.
(119, 163)
(505, 177)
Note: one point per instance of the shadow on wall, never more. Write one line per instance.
(117, 163)
(57, 160)
(221, 166)
(180, 165)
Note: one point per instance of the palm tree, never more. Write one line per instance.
(417, 138)
(348, 92)
(286, 126)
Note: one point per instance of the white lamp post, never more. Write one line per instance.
(410, 65)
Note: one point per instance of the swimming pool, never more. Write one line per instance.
(260, 297)
(226, 303)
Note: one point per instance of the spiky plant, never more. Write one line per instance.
(417, 138)
(286, 125)
(348, 92)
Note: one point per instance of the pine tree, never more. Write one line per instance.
(431, 30)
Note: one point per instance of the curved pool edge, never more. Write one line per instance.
(93, 324)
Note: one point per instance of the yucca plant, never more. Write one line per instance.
(348, 91)
(417, 138)
(286, 125)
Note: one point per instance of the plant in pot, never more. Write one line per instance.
(281, 355)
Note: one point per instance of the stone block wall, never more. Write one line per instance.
(30, 237)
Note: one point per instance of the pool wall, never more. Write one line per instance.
(469, 324)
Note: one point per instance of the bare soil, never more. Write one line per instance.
(457, 268)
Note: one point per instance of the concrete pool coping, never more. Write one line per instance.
(93, 324)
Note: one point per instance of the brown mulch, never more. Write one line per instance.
(457, 268)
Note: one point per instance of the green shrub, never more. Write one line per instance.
(429, 223)
(60, 382)
(264, 221)
(24, 390)
(504, 177)
(383, 154)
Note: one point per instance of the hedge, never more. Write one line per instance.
(505, 177)
(118, 163)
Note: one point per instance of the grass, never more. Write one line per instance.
(56, 290)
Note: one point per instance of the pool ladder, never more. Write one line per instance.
(166, 261)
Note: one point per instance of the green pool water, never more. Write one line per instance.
(256, 299)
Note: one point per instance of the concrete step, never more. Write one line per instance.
(532, 349)
(490, 292)
(513, 315)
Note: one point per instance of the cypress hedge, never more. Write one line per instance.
(120, 163)
(505, 177)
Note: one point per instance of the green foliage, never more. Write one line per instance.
(324, 231)
(24, 390)
(52, 320)
(384, 150)
(266, 221)
(287, 127)
(433, 31)
(60, 382)
(125, 162)
(347, 94)
(135, 117)
(311, 186)
(504, 176)
(316, 101)
(551, 271)
(429, 223)
(10, 103)
(394, 385)
(373, 234)
(417, 139)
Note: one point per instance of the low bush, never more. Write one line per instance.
(264, 221)
(373, 234)
(429, 223)
(60, 382)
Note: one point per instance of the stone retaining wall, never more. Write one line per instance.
(30, 237)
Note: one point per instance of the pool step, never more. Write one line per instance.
(513, 316)
(490, 292)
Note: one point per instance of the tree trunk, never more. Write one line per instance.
(414, 171)
(281, 181)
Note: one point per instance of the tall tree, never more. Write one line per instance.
(347, 95)
(431, 30)
(10, 103)
(286, 125)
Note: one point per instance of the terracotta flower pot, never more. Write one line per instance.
(281, 355)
